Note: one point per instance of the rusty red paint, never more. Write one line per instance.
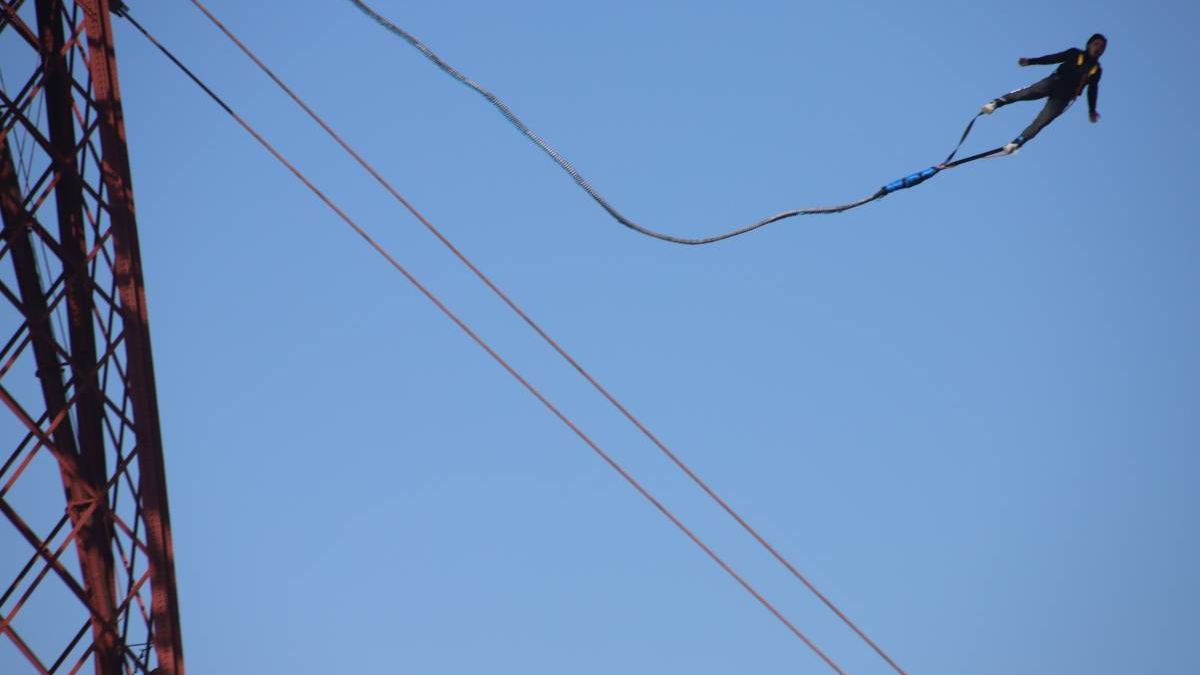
(100, 422)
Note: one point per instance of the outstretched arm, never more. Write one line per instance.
(1093, 93)
(1047, 59)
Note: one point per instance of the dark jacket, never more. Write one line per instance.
(1076, 70)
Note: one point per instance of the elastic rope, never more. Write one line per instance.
(575, 175)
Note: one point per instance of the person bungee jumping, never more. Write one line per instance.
(1078, 68)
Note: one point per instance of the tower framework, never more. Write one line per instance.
(87, 581)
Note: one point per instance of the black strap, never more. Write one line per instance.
(947, 164)
(961, 140)
(972, 158)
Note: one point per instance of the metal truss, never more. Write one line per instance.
(87, 581)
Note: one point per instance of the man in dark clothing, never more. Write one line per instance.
(1078, 68)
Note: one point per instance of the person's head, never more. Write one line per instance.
(1096, 45)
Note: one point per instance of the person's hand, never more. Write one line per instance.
(1094, 116)
(1022, 61)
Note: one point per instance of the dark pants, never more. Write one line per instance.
(1055, 104)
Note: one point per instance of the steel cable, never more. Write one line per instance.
(486, 347)
(542, 333)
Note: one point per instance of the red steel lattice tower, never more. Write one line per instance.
(87, 580)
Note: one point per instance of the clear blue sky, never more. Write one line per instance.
(969, 412)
